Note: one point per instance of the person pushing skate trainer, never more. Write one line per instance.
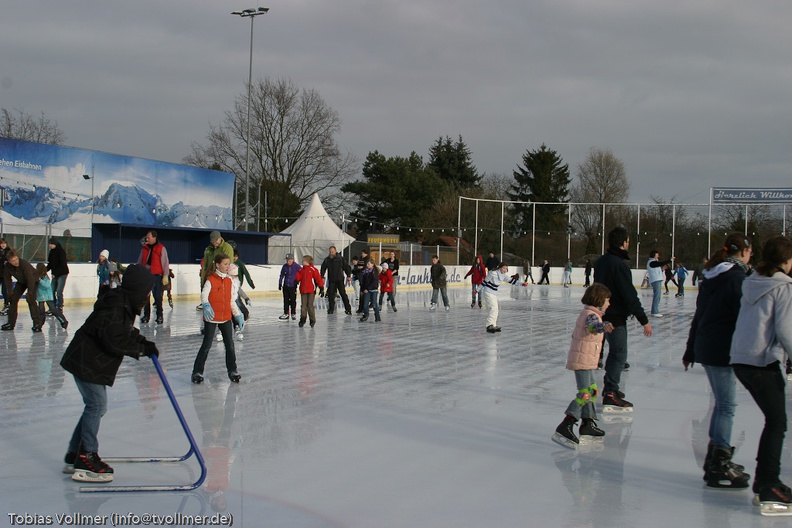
(94, 356)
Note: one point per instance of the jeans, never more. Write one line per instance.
(58, 284)
(580, 407)
(227, 330)
(723, 383)
(156, 295)
(370, 298)
(767, 386)
(85, 434)
(617, 355)
(657, 288)
(443, 292)
(681, 283)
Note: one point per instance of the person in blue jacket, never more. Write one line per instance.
(289, 288)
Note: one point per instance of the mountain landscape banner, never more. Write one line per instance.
(70, 188)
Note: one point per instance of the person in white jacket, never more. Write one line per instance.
(761, 344)
(489, 293)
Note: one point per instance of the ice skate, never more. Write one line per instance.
(590, 430)
(234, 376)
(614, 402)
(239, 335)
(491, 329)
(219, 337)
(170, 302)
(722, 474)
(564, 435)
(197, 377)
(775, 500)
(88, 467)
(284, 317)
(433, 307)
(708, 459)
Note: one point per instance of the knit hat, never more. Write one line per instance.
(384, 265)
(53, 240)
(105, 254)
(233, 270)
(214, 236)
(137, 284)
(289, 256)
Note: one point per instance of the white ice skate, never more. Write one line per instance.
(773, 509)
(83, 475)
(239, 335)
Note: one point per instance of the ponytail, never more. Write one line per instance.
(734, 244)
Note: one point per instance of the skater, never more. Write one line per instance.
(44, 295)
(612, 270)
(103, 272)
(354, 280)
(288, 287)
(490, 291)
(477, 273)
(670, 272)
(369, 282)
(386, 286)
(393, 266)
(242, 302)
(708, 344)
(56, 262)
(492, 261)
(338, 273)
(681, 273)
(587, 273)
(654, 271)
(309, 279)
(527, 272)
(437, 274)
(583, 355)
(761, 344)
(217, 246)
(93, 358)
(4, 249)
(26, 279)
(361, 267)
(219, 308)
(154, 257)
(169, 288)
(567, 279)
(545, 278)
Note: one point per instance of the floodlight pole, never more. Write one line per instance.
(252, 14)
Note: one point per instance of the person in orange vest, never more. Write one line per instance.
(154, 257)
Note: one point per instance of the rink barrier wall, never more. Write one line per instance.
(82, 284)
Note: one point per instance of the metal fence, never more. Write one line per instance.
(31, 241)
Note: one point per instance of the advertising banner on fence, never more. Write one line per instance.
(750, 195)
(69, 188)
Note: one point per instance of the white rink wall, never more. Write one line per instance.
(82, 283)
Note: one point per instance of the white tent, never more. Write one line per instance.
(311, 234)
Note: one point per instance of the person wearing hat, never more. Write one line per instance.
(387, 285)
(103, 272)
(56, 263)
(26, 279)
(154, 257)
(94, 356)
(216, 246)
(287, 285)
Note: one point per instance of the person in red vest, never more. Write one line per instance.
(154, 257)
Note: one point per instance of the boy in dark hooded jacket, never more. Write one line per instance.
(94, 357)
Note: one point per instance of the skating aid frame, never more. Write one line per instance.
(192, 451)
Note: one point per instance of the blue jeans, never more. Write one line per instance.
(617, 355)
(156, 295)
(443, 292)
(585, 382)
(723, 383)
(657, 288)
(57, 289)
(370, 298)
(85, 434)
(681, 283)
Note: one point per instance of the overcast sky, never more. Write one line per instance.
(688, 94)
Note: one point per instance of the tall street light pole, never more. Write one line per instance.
(251, 14)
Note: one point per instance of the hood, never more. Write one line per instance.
(757, 286)
(723, 267)
(137, 284)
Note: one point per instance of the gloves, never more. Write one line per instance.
(240, 321)
(321, 291)
(150, 349)
(165, 280)
(208, 312)
(280, 287)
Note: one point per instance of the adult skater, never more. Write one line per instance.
(286, 283)
(709, 342)
(26, 279)
(492, 261)
(489, 293)
(762, 342)
(338, 272)
(477, 273)
(567, 280)
(654, 270)
(545, 278)
(154, 257)
(587, 273)
(93, 358)
(56, 263)
(437, 274)
(527, 271)
(612, 270)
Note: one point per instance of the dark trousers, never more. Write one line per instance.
(617, 355)
(545, 279)
(13, 307)
(156, 296)
(227, 330)
(766, 385)
(58, 283)
(290, 300)
(332, 288)
(57, 312)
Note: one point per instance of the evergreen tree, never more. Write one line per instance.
(451, 161)
(542, 178)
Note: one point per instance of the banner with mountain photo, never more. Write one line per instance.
(70, 188)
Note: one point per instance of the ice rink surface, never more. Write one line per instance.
(423, 419)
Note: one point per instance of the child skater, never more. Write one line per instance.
(386, 286)
(477, 274)
(219, 308)
(242, 301)
(94, 356)
(584, 352)
(288, 287)
(369, 283)
(309, 279)
(490, 295)
(761, 344)
(103, 272)
(44, 294)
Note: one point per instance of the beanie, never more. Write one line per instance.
(137, 284)
(214, 236)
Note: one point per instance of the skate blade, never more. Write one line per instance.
(771, 509)
(564, 441)
(90, 476)
(616, 409)
(727, 484)
(614, 418)
(591, 440)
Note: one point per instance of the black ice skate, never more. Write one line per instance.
(234, 376)
(615, 402)
(775, 500)
(68, 461)
(708, 459)
(564, 435)
(723, 474)
(88, 467)
(197, 377)
(590, 430)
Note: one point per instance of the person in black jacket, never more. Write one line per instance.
(56, 263)
(94, 356)
(612, 270)
(709, 343)
(369, 284)
(492, 261)
(337, 271)
(4, 249)
(545, 278)
(26, 279)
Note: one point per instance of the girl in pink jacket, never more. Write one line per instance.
(583, 356)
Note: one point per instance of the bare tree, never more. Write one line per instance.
(17, 124)
(601, 178)
(293, 149)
